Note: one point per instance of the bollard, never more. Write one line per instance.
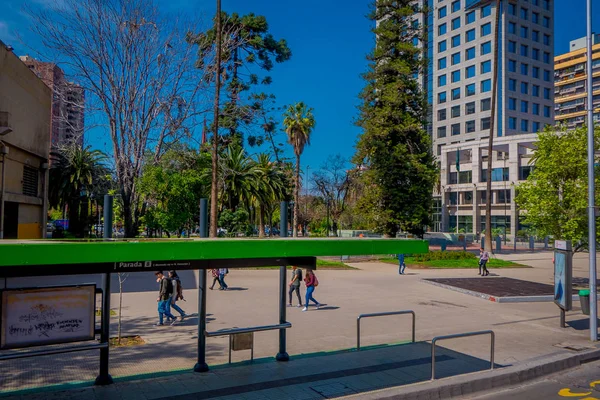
(443, 245)
(531, 243)
(498, 245)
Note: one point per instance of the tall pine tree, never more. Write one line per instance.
(398, 167)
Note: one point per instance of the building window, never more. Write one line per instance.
(524, 106)
(30, 181)
(524, 172)
(442, 46)
(441, 132)
(455, 58)
(470, 53)
(524, 32)
(441, 97)
(546, 22)
(524, 14)
(512, 46)
(486, 11)
(486, 104)
(470, 35)
(485, 123)
(535, 109)
(456, 41)
(547, 75)
(455, 76)
(498, 221)
(486, 67)
(465, 177)
(441, 80)
(547, 57)
(486, 85)
(456, 6)
(455, 111)
(455, 129)
(535, 127)
(470, 90)
(470, 17)
(456, 23)
(442, 63)
(456, 94)
(546, 40)
(524, 88)
(442, 114)
(546, 111)
(535, 18)
(486, 48)
(512, 85)
(512, 9)
(442, 29)
(512, 66)
(512, 123)
(503, 196)
(512, 28)
(470, 126)
(547, 93)
(470, 72)
(546, 5)
(524, 125)
(512, 104)
(470, 108)
(524, 69)
(524, 50)
(535, 36)
(442, 12)
(486, 29)
(535, 54)
(535, 90)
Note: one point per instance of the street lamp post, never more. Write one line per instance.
(591, 182)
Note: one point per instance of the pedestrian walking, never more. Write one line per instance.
(401, 264)
(164, 297)
(215, 275)
(484, 257)
(222, 273)
(311, 282)
(295, 285)
(176, 294)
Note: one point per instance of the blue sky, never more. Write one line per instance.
(329, 40)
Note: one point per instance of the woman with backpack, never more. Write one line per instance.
(311, 282)
(177, 293)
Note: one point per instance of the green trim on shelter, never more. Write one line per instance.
(16, 253)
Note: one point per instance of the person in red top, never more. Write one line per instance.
(311, 282)
(215, 275)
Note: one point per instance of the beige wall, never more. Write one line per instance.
(28, 101)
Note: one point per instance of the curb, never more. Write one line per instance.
(462, 385)
(495, 299)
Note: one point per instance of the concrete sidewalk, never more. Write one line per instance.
(523, 331)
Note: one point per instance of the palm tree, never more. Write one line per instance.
(76, 171)
(299, 123)
(269, 187)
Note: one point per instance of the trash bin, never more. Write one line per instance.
(584, 300)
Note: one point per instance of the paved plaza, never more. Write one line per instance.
(523, 330)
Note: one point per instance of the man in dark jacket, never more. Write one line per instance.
(164, 297)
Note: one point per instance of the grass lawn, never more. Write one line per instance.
(454, 264)
(321, 264)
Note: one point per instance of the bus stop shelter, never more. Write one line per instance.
(50, 258)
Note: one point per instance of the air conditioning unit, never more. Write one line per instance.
(5, 127)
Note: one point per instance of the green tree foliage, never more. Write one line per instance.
(299, 123)
(394, 151)
(248, 49)
(554, 197)
(172, 189)
(76, 172)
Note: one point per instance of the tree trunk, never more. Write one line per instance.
(296, 196)
(488, 191)
(84, 214)
(73, 211)
(261, 221)
(214, 188)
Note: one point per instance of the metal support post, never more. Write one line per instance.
(108, 216)
(562, 318)
(104, 377)
(591, 183)
(282, 355)
(201, 365)
(3, 153)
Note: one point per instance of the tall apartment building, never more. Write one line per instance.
(461, 42)
(570, 83)
(68, 101)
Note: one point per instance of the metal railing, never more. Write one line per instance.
(237, 331)
(462, 335)
(383, 314)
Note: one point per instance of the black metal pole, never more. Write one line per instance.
(108, 216)
(283, 225)
(104, 377)
(201, 365)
